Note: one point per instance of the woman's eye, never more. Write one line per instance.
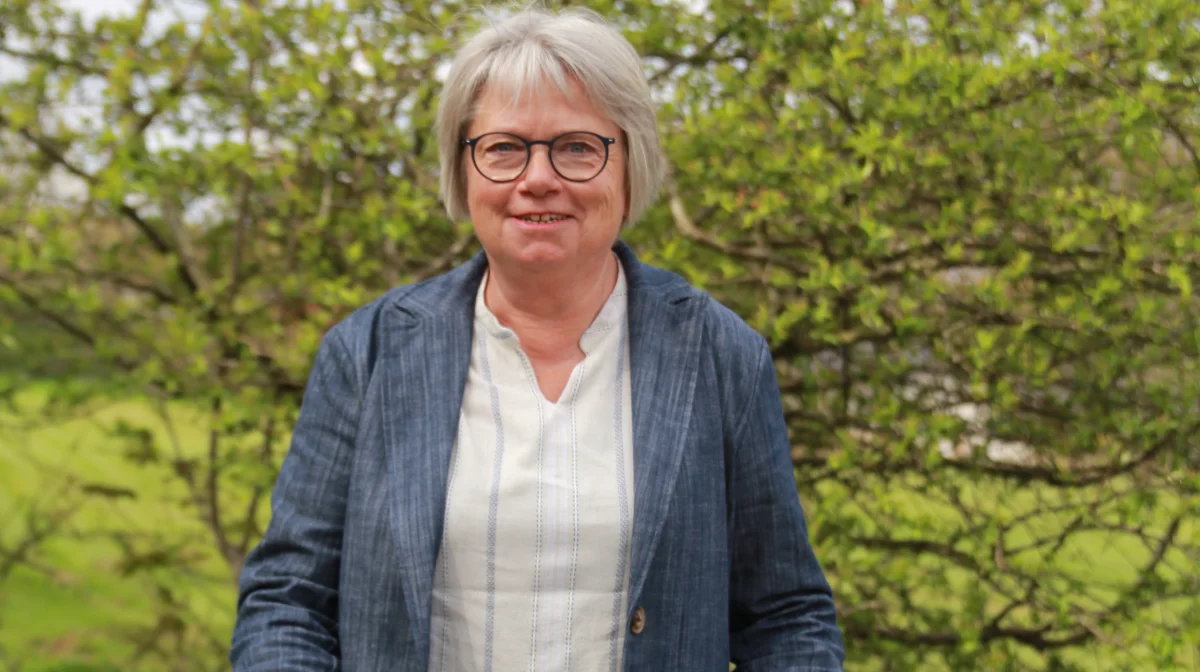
(578, 147)
(502, 147)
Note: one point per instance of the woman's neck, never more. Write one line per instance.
(550, 311)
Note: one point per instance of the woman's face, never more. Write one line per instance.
(588, 214)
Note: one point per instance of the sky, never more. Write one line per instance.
(92, 8)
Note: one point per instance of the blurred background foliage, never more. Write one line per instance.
(967, 227)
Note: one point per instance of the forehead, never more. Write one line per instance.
(541, 110)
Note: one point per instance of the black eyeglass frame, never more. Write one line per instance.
(529, 144)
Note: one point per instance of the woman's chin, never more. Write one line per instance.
(543, 254)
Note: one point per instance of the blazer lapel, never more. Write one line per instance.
(665, 332)
(426, 346)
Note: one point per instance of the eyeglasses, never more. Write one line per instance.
(502, 157)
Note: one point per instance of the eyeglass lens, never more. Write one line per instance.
(576, 156)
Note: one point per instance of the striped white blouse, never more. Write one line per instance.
(533, 568)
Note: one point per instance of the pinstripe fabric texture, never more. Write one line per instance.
(554, 547)
(571, 585)
(497, 430)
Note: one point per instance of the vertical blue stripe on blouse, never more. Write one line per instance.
(537, 553)
(493, 507)
(574, 515)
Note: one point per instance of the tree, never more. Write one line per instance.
(32, 525)
(967, 229)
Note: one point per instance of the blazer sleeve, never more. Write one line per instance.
(287, 601)
(782, 610)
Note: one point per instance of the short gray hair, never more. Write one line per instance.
(534, 45)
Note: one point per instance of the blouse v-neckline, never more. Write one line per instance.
(612, 315)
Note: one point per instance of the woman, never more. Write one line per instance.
(553, 457)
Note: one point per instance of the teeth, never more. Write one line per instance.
(543, 218)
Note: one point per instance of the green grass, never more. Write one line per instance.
(79, 602)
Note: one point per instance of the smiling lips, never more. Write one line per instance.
(541, 218)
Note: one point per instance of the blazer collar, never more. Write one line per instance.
(426, 350)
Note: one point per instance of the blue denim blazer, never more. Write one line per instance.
(721, 564)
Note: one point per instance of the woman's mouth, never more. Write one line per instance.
(541, 220)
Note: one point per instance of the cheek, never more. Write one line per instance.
(618, 196)
(480, 192)
(612, 192)
(620, 188)
(608, 204)
(483, 195)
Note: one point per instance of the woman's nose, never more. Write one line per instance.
(539, 175)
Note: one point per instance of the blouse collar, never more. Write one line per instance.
(611, 315)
